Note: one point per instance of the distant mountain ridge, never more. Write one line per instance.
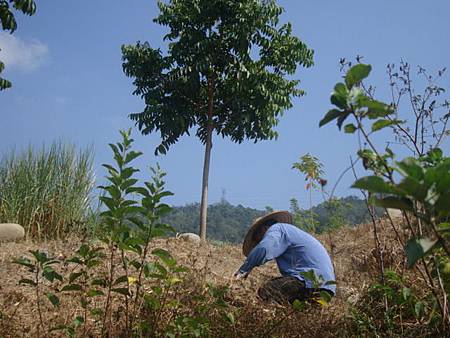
(230, 223)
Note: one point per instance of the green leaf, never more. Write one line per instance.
(78, 321)
(442, 205)
(96, 312)
(330, 116)
(128, 183)
(375, 109)
(122, 291)
(418, 248)
(99, 282)
(419, 309)
(71, 287)
(94, 293)
(27, 281)
(180, 269)
(131, 156)
(356, 74)
(121, 279)
(152, 302)
(52, 298)
(137, 190)
(92, 263)
(25, 262)
(444, 228)
(350, 128)
(165, 257)
(339, 96)
(51, 274)
(382, 123)
(111, 169)
(406, 292)
(83, 250)
(414, 188)
(393, 202)
(74, 275)
(341, 119)
(40, 256)
(373, 184)
(230, 318)
(411, 167)
(325, 296)
(298, 305)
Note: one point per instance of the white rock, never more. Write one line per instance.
(189, 237)
(10, 232)
(395, 214)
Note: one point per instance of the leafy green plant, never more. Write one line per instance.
(423, 193)
(82, 283)
(321, 297)
(312, 168)
(404, 306)
(167, 274)
(41, 268)
(129, 228)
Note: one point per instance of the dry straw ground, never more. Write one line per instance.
(353, 256)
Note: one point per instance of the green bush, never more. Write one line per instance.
(126, 274)
(418, 186)
(48, 191)
(395, 308)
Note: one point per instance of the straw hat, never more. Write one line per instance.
(274, 217)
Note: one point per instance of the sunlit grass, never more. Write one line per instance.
(48, 190)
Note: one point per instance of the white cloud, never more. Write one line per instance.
(20, 54)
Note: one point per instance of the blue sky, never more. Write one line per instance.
(65, 65)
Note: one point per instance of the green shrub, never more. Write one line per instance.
(125, 277)
(396, 308)
(418, 186)
(47, 191)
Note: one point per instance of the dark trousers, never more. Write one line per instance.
(282, 289)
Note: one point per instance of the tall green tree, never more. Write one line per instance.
(227, 71)
(9, 23)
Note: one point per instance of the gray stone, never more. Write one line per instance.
(10, 232)
(189, 237)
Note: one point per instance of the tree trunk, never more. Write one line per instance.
(208, 146)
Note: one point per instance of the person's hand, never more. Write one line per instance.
(240, 275)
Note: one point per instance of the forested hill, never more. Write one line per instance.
(226, 222)
(229, 223)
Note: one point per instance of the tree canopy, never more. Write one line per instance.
(216, 42)
(228, 70)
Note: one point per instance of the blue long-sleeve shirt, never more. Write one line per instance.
(295, 252)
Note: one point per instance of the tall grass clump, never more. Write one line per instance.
(48, 190)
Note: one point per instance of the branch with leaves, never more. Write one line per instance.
(9, 24)
(424, 188)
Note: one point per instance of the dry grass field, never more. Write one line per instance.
(351, 249)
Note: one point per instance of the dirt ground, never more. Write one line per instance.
(351, 250)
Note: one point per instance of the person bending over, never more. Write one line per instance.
(297, 254)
